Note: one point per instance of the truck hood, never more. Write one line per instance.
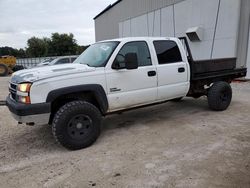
(39, 73)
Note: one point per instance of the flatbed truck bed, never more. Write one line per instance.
(206, 72)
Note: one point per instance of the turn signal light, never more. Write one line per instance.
(24, 99)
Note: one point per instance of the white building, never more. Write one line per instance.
(215, 28)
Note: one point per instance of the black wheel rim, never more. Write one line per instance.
(79, 126)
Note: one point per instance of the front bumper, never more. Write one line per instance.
(38, 114)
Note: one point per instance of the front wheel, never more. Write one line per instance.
(77, 125)
(219, 96)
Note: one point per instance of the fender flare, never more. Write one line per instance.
(96, 89)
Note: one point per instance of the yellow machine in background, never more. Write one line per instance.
(7, 65)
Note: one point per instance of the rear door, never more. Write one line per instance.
(173, 72)
(130, 88)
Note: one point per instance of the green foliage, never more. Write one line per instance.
(37, 47)
(63, 44)
(57, 45)
(21, 53)
(81, 49)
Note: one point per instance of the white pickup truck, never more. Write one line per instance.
(112, 76)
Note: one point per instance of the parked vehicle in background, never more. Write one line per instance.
(112, 76)
(8, 65)
(58, 61)
(45, 62)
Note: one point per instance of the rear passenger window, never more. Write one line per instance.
(167, 52)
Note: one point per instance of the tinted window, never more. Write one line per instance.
(167, 52)
(62, 61)
(140, 48)
(73, 59)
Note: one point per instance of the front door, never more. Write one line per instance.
(130, 88)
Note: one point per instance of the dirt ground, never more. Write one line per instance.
(170, 145)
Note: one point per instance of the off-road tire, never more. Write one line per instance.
(62, 122)
(5, 70)
(219, 96)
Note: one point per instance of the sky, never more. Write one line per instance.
(23, 19)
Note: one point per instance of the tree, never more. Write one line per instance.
(37, 47)
(7, 51)
(19, 53)
(81, 49)
(63, 44)
(57, 45)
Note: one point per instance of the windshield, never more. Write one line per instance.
(97, 54)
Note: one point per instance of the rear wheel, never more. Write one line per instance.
(4, 71)
(77, 125)
(219, 96)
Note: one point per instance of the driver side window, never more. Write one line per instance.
(140, 48)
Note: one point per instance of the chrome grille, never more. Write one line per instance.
(13, 91)
(13, 86)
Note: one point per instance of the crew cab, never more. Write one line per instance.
(113, 76)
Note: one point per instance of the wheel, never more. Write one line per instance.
(77, 125)
(219, 96)
(4, 71)
(177, 99)
(17, 68)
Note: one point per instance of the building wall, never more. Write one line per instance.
(224, 24)
(218, 19)
(243, 34)
(107, 25)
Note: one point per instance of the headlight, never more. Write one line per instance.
(24, 87)
(23, 93)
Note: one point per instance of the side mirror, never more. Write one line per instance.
(119, 62)
(131, 61)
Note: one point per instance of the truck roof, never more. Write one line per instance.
(128, 39)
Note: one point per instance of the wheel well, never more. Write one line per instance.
(197, 87)
(62, 100)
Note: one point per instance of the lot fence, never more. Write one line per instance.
(32, 62)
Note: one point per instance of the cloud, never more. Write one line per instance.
(22, 19)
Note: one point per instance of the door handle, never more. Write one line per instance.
(151, 73)
(181, 69)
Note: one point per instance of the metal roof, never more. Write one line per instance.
(107, 8)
